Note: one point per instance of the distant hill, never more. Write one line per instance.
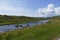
(5, 19)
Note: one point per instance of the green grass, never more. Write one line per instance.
(48, 31)
(4, 19)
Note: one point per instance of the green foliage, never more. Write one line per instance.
(1, 37)
(4, 19)
(48, 31)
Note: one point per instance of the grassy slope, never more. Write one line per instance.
(16, 19)
(47, 31)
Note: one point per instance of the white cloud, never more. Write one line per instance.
(6, 10)
(57, 10)
(50, 6)
(50, 11)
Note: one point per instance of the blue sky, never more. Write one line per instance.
(34, 8)
(34, 4)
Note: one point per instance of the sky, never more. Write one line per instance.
(31, 8)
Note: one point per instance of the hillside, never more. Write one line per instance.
(48, 31)
(4, 19)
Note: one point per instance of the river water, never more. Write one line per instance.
(11, 27)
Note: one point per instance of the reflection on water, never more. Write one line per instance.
(6, 28)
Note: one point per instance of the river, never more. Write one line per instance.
(12, 27)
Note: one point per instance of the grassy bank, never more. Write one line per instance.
(48, 31)
(4, 19)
